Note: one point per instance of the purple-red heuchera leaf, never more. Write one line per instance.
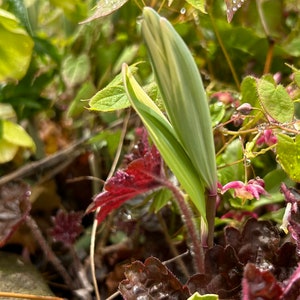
(151, 280)
(14, 208)
(260, 284)
(142, 174)
(67, 227)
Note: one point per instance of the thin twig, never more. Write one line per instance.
(95, 223)
(30, 222)
(27, 296)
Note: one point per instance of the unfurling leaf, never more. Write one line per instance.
(67, 227)
(14, 208)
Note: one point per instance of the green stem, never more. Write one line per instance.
(211, 199)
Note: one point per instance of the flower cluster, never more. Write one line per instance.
(253, 189)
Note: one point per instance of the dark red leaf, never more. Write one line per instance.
(67, 227)
(14, 208)
(151, 280)
(223, 274)
(141, 175)
(260, 284)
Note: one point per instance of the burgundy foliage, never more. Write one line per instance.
(143, 173)
(151, 280)
(67, 227)
(14, 208)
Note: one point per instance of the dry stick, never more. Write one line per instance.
(27, 296)
(172, 247)
(94, 228)
(30, 222)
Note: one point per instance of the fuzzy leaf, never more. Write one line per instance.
(151, 280)
(182, 92)
(288, 155)
(276, 101)
(14, 207)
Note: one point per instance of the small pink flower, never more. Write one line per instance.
(267, 138)
(253, 189)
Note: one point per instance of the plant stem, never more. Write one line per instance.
(194, 236)
(228, 60)
(30, 222)
(211, 199)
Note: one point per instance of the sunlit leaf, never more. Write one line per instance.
(276, 101)
(105, 8)
(197, 296)
(13, 136)
(199, 4)
(15, 56)
(288, 155)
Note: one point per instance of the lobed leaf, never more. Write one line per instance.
(151, 280)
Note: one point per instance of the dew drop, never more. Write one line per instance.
(234, 8)
(183, 11)
(247, 162)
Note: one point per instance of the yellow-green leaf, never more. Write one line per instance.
(288, 155)
(16, 48)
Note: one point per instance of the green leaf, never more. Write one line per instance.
(182, 92)
(75, 69)
(217, 112)
(7, 151)
(197, 296)
(288, 155)
(113, 96)
(109, 99)
(79, 104)
(249, 91)
(105, 8)
(276, 101)
(199, 4)
(160, 199)
(15, 56)
(165, 139)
